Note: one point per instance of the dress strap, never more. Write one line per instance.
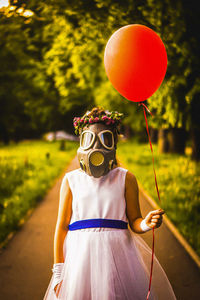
(92, 223)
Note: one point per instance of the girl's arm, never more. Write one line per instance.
(63, 220)
(153, 219)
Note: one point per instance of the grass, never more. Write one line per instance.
(27, 170)
(178, 180)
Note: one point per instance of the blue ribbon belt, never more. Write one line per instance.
(92, 223)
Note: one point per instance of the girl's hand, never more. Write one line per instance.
(154, 218)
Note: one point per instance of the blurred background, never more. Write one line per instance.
(51, 70)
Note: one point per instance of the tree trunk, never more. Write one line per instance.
(177, 139)
(163, 144)
(195, 144)
(195, 126)
(154, 135)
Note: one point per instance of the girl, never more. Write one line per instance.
(96, 255)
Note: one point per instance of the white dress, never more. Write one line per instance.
(105, 263)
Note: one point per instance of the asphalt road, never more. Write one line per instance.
(26, 262)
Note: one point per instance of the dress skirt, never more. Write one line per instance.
(109, 264)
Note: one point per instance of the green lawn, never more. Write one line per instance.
(27, 171)
(178, 181)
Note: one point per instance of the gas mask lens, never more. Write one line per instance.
(87, 139)
(106, 138)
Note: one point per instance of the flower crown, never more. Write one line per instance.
(112, 118)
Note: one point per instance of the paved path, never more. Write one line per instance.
(25, 264)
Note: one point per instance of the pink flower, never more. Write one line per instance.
(81, 120)
(104, 118)
(96, 119)
(78, 119)
(75, 124)
(86, 121)
(90, 120)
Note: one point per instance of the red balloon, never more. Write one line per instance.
(135, 61)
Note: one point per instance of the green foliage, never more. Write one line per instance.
(54, 60)
(179, 30)
(27, 171)
(67, 64)
(23, 84)
(178, 181)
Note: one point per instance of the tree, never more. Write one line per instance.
(59, 71)
(173, 101)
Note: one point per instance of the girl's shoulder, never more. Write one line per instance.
(121, 169)
(71, 174)
(131, 179)
(74, 171)
(129, 175)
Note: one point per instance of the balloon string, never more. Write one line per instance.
(153, 242)
(151, 271)
(145, 107)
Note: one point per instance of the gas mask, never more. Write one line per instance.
(96, 153)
